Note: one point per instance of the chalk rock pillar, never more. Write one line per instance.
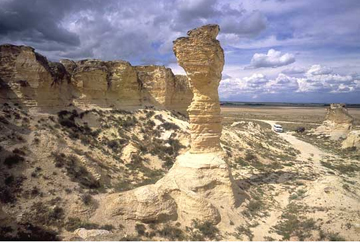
(202, 58)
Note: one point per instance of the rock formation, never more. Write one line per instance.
(352, 140)
(199, 185)
(29, 78)
(202, 58)
(338, 122)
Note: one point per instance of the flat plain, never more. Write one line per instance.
(305, 115)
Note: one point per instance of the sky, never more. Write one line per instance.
(275, 50)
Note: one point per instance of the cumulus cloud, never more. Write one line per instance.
(314, 80)
(294, 70)
(272, 59)
(318, 70)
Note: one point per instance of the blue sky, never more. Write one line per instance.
(275, 50)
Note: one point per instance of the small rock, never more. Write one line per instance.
(85, 233)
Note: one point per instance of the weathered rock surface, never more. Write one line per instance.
(196, 187)
(160, 87)
(88, 233)
(200, 184)
(352, 140)
(30, 78)
(105, 82)
(202, 58)
(338, 122)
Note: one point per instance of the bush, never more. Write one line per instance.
(170, 126)
(75, 170)
(207, 229)
(74, 223)
(172, 233)
(86, 199)
(140, 229)
(42, 215)
(12, 160)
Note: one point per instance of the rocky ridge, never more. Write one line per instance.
(29, 78)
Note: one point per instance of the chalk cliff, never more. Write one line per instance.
(29, 78)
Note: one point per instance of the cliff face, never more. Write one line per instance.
(31, 79)
(160, 87)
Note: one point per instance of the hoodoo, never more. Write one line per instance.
(199, 185)
(202, 58)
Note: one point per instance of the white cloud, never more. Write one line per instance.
(313, 80)
(318, 70)
(294, 70)
(282, 83)
(272, 59)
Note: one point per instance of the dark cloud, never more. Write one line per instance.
(138, 30)
(36, 21)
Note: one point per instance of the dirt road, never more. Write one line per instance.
(307, 150)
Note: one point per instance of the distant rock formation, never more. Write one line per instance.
(199, 185)
(29, 78)
(352, 140)
(202, 58)
(338, 122)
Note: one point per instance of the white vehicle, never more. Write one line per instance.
(278, 128)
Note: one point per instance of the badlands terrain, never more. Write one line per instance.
(95, 150)
(296, 187)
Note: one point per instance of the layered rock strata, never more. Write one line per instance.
(199, 185)
(338, 122)
(202, 58)
(29, 78)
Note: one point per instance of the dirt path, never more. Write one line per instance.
(308, 151)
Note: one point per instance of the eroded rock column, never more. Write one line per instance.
(202, 58)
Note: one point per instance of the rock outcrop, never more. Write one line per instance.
(29, 78)
(202, 58)
(160, 87)
(352, 140)
(199, 185)
(338, 122)
(104, 83)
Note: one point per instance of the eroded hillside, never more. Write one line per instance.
(56, 167)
